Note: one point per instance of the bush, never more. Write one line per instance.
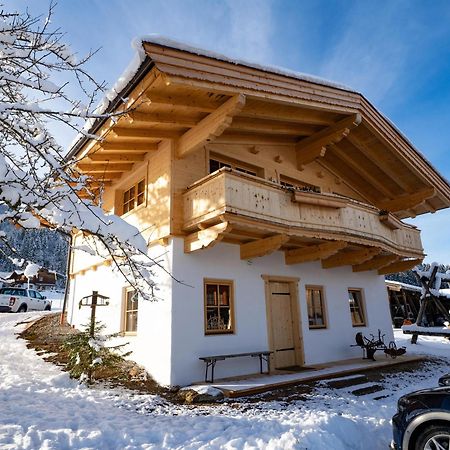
(89, 352)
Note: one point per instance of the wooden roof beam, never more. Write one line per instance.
(343, 156)
(195, 104)
(376, 263)
(315, 146)
(313, 252)
(128, 147)
(263, 247)
(400, 266)
(266, 110)
(232, 137)
(106, 176)
(379, 158)
(137, 117)
(353, 179)
(350, 258)
(407, 201)
(210, 127)
(248, 124)
(144, 133)
(100, 168)
(205, 238)
(89, 184)
(115, 157)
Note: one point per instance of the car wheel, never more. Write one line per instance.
(47, 308)
(435, 437)
(22, 308)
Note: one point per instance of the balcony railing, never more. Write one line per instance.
(229, 193)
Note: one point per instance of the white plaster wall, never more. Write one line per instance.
(222, 261)
(151, 346)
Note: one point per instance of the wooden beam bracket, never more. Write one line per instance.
(313, 252)
(407, 201)
(377, 262)
(210, 127)
(400, 266)
(315, 146)
(263, 247)
(205, 238)
(350, 258)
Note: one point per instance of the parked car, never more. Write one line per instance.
(13, 299)
(422, 421)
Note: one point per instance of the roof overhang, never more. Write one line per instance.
(194, 97)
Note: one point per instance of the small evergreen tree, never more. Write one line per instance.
(89, 352)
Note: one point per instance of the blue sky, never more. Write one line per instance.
(397, 53)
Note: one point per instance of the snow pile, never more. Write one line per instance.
(438, 346)
(41, 407)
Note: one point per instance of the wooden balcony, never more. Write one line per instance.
(262, 217)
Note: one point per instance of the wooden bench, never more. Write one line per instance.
(211, 361)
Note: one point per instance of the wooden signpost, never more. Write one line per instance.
(93, 301)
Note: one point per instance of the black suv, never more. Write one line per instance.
(422, 421)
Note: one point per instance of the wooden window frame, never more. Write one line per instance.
(219, 281)
(296, 184)
(236, 165)
(323, 304)
(125, 311)
(134, 186)
(361, 306)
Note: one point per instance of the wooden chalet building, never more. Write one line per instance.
(276, 197)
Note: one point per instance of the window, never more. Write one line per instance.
(217, 163)
(356, 307)
(218, 307)
(291, 183)
(133, 197)
(316, 307)
(131, 311)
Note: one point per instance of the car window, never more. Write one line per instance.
(32, 294)
(20, 292)
(38, 295)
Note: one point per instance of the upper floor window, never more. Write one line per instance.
(292, 183)
(133, 197)
(356, 304)
(316, 307)
(216, 163)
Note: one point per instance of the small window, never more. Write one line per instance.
(218, 307)
(131, 311)
(133, 197)
(316, 307)
(291, 183)
(216, 163)
(356, 307)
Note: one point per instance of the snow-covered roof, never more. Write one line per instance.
(143, 61)
(136, 63)
(183, 46)
(409, 287)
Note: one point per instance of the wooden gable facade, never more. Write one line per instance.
(212, 150)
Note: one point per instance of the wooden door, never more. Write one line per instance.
(282, 323)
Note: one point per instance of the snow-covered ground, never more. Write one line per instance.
(41, 408)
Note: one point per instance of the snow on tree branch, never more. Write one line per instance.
(37, 184)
